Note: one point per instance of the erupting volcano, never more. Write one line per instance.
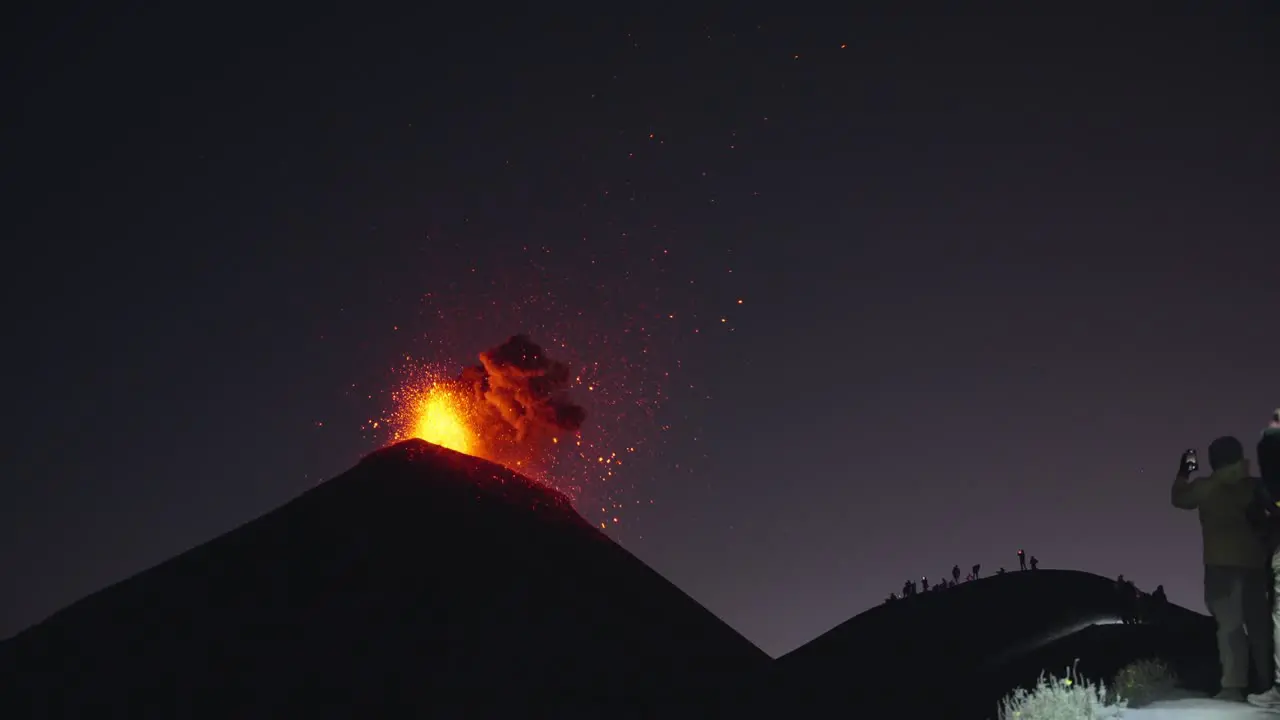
(512, 408)
(396, 589)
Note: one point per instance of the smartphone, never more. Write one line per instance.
(1190, 461)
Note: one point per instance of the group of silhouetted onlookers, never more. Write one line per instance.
(1240, 532)
(1138, 606)
(910, 587)
(1022, 561)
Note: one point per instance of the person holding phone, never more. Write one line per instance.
(1269, 503)
(1235, 571)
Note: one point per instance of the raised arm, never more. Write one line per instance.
(1186, 494)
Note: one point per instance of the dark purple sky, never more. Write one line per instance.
(997, 272)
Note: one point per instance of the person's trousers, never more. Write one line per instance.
(1275, 617)
(1237, 599)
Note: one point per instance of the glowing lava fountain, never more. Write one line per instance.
(441, 416)
(510, 409)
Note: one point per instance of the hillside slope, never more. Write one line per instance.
(420, 581)
(964, 647)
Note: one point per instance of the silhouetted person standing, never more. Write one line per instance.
(1159, 602)
(976, 574)
(1268, 494)
(1235, 576)
(924, 584)
(1035, 564)
(955, 573)
(1128, 593)
(1022, 560)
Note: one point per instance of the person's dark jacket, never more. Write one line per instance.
(1223, 500)
(1265, 511)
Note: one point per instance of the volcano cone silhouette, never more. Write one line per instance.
(421, 581)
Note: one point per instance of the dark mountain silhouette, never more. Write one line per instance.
(420, 583)
(963, 649)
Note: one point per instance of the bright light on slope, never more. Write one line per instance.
(1052, 637)
(1198, 708)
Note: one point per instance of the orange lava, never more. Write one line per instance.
(430, 403)
(431, 406)
(442, 416)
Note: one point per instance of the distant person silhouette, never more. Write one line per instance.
(1235, 575)
(1159, 595)
(1268, 496)
(1034, 562)
(907, 589)
(976, 573)
(1125, 594)
(1132, 599)
(1022, 560)
(924, 584)
(955, 573)
(1122, 592)
(1157, 604)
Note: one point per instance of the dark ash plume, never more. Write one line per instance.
(524, 390)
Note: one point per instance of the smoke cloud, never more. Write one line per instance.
(523, 392)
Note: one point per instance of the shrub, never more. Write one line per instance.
(1142, 681)
(1068, 698)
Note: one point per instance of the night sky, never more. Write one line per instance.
(868, 295)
